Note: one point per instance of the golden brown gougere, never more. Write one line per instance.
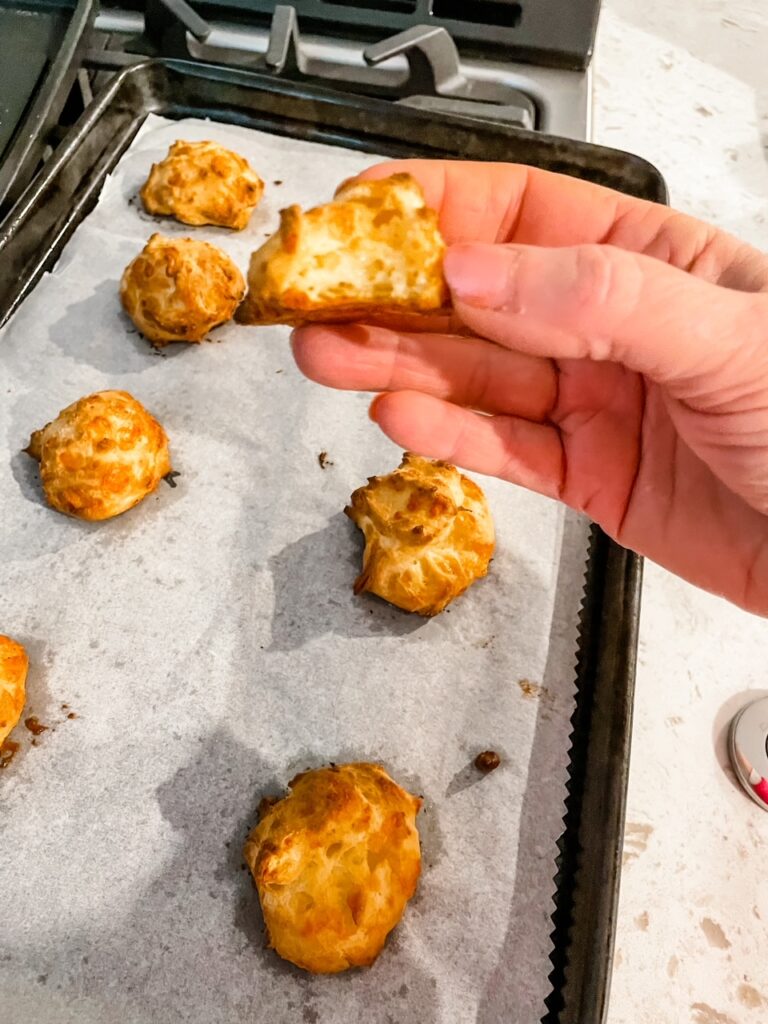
(179, 289)
(13, 677)
(203, 183)
(428, 534)
(100, 456)
(335, 863)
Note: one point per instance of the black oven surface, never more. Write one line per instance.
(41, 44)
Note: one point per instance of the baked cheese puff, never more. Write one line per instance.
(179, 289)
(335, 863)
(14, 664)
(428, 534)
(100, 456)
(376, 249)
(203, 183)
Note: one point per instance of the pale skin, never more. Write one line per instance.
(604, 351)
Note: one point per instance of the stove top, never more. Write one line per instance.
(521, 62)
(552, 33)
(423, 65)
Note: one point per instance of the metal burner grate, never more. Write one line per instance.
(550, 33)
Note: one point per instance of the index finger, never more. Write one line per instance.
(494, 202)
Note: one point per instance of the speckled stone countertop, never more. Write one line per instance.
(684, 83)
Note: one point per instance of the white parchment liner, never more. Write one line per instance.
(210, 645)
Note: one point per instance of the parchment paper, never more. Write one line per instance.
(210, 645)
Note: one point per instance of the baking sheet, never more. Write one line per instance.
(210, 645)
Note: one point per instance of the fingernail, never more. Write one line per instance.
(480, 274)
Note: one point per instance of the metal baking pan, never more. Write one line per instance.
(33, 236)
(43, 43)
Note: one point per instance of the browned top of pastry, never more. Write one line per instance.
(203, 183)
(428, 534)
(335, 863)
(100, 456)
(179, 289)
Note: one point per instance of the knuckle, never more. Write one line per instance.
(596, 278)
(607, 296)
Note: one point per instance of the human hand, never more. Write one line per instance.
(618, 361)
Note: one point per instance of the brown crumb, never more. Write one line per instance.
(65, 707)
(34, 725)
(265, 804)
(72, 714)
(532, 690)
(8, 750)
(487, 761)
(324, 461)
(277, 182)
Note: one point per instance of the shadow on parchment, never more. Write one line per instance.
(26, 473)
(114, 346)
(60, 531)
(531, 905)
(169, 963)
(313, 580)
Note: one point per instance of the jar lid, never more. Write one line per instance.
(748, 747)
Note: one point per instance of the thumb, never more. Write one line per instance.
(603, 303)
